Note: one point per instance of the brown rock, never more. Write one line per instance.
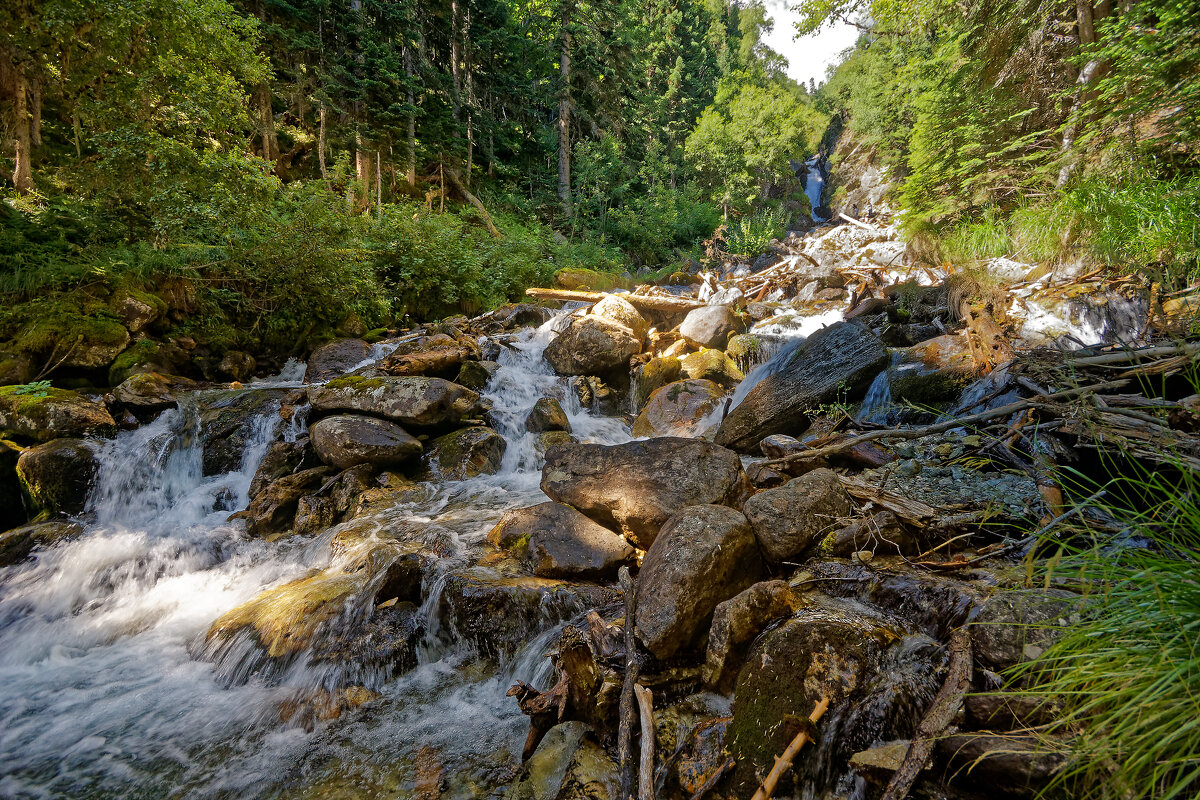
(790, 519)
(679, 409)
(556, 541)
(736, 622)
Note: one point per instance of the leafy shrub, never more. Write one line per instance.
(752, 233)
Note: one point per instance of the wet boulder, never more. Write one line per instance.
(274, 508)
(334, 359)
(651, 376)
(788, 520)
(465, 453)
(12, 507)
(679, 409)
(282, 458)
(230, 420)
(822, 651)
(286, 619)
(556, 541)
(439, 356)
(57, 476)
(547, 414)
(544, 441)
(500, 613)
(347, 440)
(840, 360)
(235, 365)
(415, 401)
(711, 326)
(476, 374)
(33, 413)
(18, 543)
(592, 346)
(638, 486)
(150, 355)
(703, 555)
(1018, 625)
(542, 776)
(747, 350)
(712, 365)
(148, 393)
(736, 622)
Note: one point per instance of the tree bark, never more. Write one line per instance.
(564, 109)
(412, 118)
(455, 66)
(23, 135)
(321, 144)
(266, 124)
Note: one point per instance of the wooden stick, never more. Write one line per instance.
(1134, 354)
(708, 785)
(626, 710)
(642, 302)
(916, 433)
(645, 700)
(857, 222)
(784, 762)
(937, 719)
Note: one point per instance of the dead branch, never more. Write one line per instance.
(475, 201)
(784, 762)
(645, 700)
(940, 427)
(708, 785)
(937, 719)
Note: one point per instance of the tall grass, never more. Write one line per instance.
(1129, 674)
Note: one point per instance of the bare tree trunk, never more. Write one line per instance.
(379, 184)
(1087, 25)
(266, 123)
(564, 110)
(470, 95)
(362, 168)
(412, 118)
(1072, 129)
(23, 122)
(321, 144)
(455, 66)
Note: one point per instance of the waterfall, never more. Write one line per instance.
(814, 187)
(108, 690)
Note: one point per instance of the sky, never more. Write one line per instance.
(807, 57)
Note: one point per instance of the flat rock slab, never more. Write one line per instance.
(838, 361)
(638, 486)
(416, 401)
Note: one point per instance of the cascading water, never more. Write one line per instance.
(814, 187)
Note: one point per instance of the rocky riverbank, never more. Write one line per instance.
(821, 470)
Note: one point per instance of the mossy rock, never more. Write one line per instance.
(746, 350)
(39, 414)
(465, 453)
(577, 279)
(147, 355)
(12, 510)
(18, 543)
(652, 376)
(74, 340)
(57, 476)
(137, 309)
(712, 365)
(16, 367)
(922, 386)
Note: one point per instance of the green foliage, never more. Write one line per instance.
(37, 389)
(743, 143)
(751, 234)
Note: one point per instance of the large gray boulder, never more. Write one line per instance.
(679, 409)
(347, 440)
(791, 518)
(416, 401)
(636, 487)
(710, 326)
(556, 541)
(41, 414)
(592, 346)
(335, 358)
(703, 556)
(57, 476)
(838, 361)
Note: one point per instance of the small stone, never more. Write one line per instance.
(863, 556)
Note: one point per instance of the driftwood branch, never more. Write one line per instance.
(940, 427)
(857, 222)
(642, 302)
(645, 700)
(937, 719)
(784, 762)
(626, 711)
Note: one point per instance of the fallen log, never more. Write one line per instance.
(937, 719)
(784, 762)
(475, 201)
(642, 302)
(857, 222)
(907, 510)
